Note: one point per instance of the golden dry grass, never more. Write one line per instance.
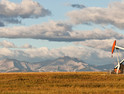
(61, 83)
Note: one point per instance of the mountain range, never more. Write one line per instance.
(65, 64)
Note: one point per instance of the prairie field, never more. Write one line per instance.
(61, 83)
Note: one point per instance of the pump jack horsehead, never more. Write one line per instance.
(119, 68)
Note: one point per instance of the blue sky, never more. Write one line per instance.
(36, 30)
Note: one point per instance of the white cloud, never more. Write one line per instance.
(26, 46)
(50, 30)
(7, 44)
(25, 9)
(41, 54)
(56, 31)
(5, 52)
(105, 44)
(112, 15)
(10, 11)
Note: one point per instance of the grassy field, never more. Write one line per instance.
(61, 83)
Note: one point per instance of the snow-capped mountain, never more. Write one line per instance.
(67, 64)
(61, 64)
(12, 65)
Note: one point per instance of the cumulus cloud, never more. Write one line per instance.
(112, 15)
(56, 31)
(7, 44)
(26, 46)
(96, 34)
(105, 44)
(50, 30)
(5, 52)
(25, 9)
(10, 12)
(43, 53)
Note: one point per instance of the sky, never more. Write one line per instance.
(40, 30)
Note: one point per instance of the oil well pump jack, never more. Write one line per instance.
(119, 68)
